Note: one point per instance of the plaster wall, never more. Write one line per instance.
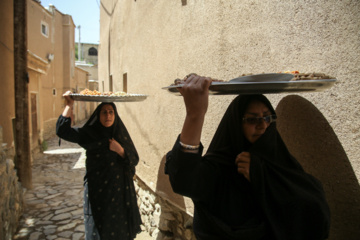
(81, 109)
(7, 97)
(155, 42)
(42, 46)
(38, 42)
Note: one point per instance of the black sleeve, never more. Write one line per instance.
(65, 131)
(191, 174)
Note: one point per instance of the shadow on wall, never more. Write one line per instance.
(174, 222)
(164, 189)
(312, 141)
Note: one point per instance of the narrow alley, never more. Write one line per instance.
(54, 205)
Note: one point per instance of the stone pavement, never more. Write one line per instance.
(53, 208)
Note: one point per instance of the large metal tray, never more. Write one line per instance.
(232, 87)
(102, 98)
(265, 77)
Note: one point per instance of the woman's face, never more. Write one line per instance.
(107, 115)
(254, 128)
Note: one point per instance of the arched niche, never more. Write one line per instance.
(312, 141)
(92, 51)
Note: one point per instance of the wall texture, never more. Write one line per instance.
(7, 70)
(11, 198)
(155, 42)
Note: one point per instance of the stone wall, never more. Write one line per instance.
(11, 195)
(161, 218)
(49, 128)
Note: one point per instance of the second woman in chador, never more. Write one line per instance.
(110, 205)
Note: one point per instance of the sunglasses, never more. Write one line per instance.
(258, 120)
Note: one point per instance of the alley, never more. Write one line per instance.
(54, 205)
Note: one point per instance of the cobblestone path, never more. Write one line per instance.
(54, 206)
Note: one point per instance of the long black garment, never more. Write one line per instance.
(109, 177)
(281, 201)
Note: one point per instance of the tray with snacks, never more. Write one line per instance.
(265, 83)
(95, 96)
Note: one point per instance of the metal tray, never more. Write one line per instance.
(233, 87)
(102, 98)
(265, 77)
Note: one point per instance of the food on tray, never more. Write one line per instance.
(96, 96)
(182, 81)
(292, 72)
(300, 76)
(297, 76)
(308, 76)
(88, 92)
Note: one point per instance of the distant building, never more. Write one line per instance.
(89, 53)
(88, 61)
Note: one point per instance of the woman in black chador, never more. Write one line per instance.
(247, 186)
(110, 205)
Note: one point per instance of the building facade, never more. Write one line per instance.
(51, 71)
(56, 33)
(146, 45)
(88, 53)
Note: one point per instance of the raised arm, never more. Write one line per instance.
(196, 97)
(69, 105)
(189, 176)
(63, 125)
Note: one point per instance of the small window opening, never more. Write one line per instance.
(93, 51)
(44, 29)
(125, 82)
(54, 91)
(111, 83)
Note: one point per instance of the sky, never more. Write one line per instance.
(85, 13)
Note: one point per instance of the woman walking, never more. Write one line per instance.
(110, 205)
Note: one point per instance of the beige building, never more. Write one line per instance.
(56, 32)
(145, 45)
(7, 97)
(88, 53)
(51, 71)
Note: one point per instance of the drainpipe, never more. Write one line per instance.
(79, 45)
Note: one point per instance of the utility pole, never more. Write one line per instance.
(22, 136)
(79, 45)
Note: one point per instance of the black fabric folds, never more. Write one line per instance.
(229, 140)
(280, 202)
(110, 177)
(293, 201)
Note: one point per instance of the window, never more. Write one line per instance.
(54, 91)
(125, 82)
(111, 83)
(44, 29)
(93, 51)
